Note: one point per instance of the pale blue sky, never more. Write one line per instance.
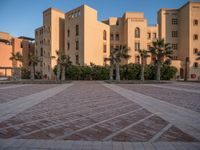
(21, 17)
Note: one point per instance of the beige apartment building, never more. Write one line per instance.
(181, 28)
(77, 32)
(87, 40)
(132, 29)
(10, 44)
(48, 39)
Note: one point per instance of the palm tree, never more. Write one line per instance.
(111, 59)
(143, 55)
(117, 55)
(16, 57)
(63, 61)
(33, 61)
(160, 50)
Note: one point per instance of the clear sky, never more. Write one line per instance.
(22, 17)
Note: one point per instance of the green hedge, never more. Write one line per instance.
(127, 72)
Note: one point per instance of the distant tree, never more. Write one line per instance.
(111, 60)
(33, 61)
(160, 50)
(63, 61)
(143, 55)
(117, 55)
(16, 57)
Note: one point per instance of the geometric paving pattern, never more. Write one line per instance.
(88, 111)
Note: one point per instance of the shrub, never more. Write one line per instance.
(128, 72)
(25, 73)
(168, 72)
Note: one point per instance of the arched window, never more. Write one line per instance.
(77, 30)
(137, 32)
(104, 34)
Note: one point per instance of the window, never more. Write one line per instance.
(79, 13)
(72, 16)
(137, 59)
(117, 37)
(117, 23)
(21, 45)
(174, 21)
(175, 46)
(196, 64)
(77, 30)
(77, 45)
(68, 33)
(104, 48)
(195, 22)
(104, 34)
(48, 67)
(75, 14)
(149, 35)
(195, 50)
(137, 32)
(41, 52)
(68, 46)
(154, 35)
(137, 46)
(77, 59)
(111, 37)
(195, 36)
(174, 33)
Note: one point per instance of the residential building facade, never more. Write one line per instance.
(77, 32)
(181, 28)
(87, 40)
(133, 31)
(10, 44)
(48, 39)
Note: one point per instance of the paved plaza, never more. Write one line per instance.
(94, 115)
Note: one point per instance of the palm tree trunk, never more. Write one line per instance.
(32, 72)
(117, 72)
(142, 72)
(58, 72)
(158, 72)
(63, 73)
(111, 72)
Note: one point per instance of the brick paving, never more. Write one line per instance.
(88, 111)
(180, 98)
(10, 94)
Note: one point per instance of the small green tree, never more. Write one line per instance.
(143, 56)
(16, 57)
(33, 61)
(111, 60)
(117, 55)
(63, 61)
(160, 50)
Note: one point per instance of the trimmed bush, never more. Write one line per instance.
(128, 72)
